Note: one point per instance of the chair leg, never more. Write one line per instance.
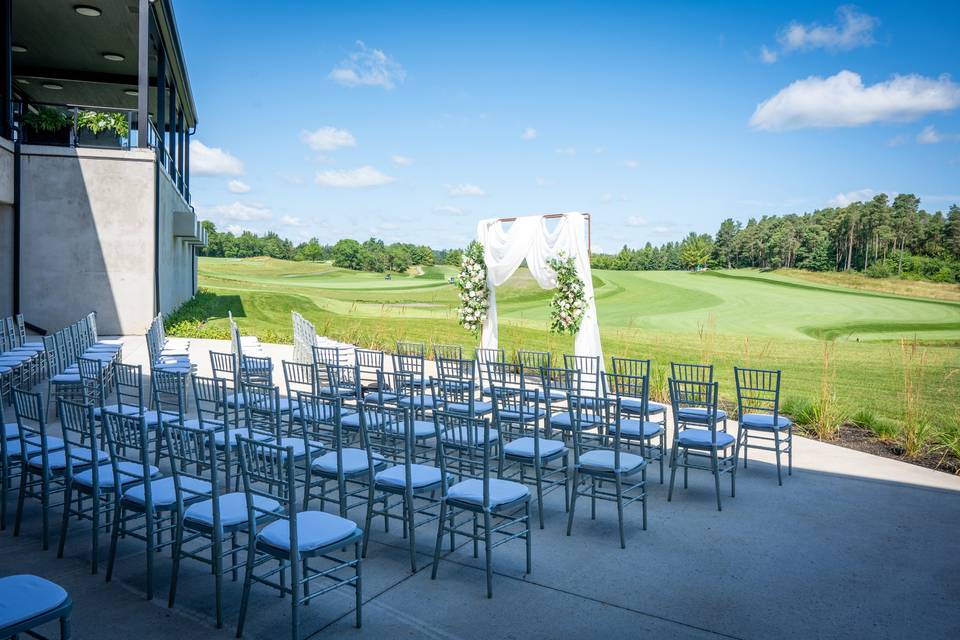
(247, 582)
(436, 549)
(95, 535)
(790, 450)
(573, 501)
(358, 586)
(566, 482)
(488, 550)
(776, 445)
(151, 549)
(45, 512)
(295, 599)
(118, 515)
(529, 538)
(411, 527)
(538, 473)
(716, 475)
(175, 569)
(65, 627)
(673, 472)
(619, 486)
(4, 489)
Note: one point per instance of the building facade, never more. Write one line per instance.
(95, 209)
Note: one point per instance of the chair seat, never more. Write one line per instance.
(501, 492)
(66, 378)
(152, 418)
(479, 408)
(127, 410)
(426, 401)
(315, 530)
(340, 391)
(460, 436)
(605, 460)
(354, 461)
(235, 400)
(701, 439)
(299, 447)
(632, 406)
(524, 447)
(764, 421)
(421, 475)
(208, 424)
(529, 414)
(57, 460)
(104, 356)
(233, 509)
(23, 597)
(421, 428)
(352, 420)
(698, 414)
(163, 492)
(130, 472)
(33, 446)
(639, 428)
(220, 437)
(562, 421)
(10, 430)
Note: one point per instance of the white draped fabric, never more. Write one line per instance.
(531, 238)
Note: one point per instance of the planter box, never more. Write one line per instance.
(108, 139)
(59, 138)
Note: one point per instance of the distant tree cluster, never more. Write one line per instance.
(879, 238)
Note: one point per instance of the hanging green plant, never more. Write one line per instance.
(48, 119)
(569, 303)
(99, 121)
(472, 282)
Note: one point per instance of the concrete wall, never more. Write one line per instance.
(88, 229)
(176, 255)
(6, 227)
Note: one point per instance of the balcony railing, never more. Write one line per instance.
(90, 127)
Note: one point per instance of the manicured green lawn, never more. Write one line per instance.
(727, 318)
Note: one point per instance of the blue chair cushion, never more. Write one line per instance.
(530, 414)
(152, 418)
(23, 597)
(701, 439)
(352, 420)
(57, 460)
(66, 378)
(315, 529)
(340, 391)
(220, 437)
(605, 460)
(10, 430)
(632, 406)
(164, 493)
(33, 446)
(235, 400)
(501, 492)
(104, 356)
(764, 421)
(233, 509)
(299, 448)
(127, 410)
(632, 428)
(427, 401)
(354, 461)
(421, 475)
(130, 473)
(524, 447)
(479, 408)
(698, 414)
(562, 420)
(460, 436)
(208, 424)
(421, 428)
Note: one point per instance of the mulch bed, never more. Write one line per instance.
(860, 439)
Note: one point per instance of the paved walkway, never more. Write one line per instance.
(852, 545)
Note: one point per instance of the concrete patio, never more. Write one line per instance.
(852, 545)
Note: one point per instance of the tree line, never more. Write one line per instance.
(880, 237)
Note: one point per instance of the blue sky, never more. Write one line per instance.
(411, 121)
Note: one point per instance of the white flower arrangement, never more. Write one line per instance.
(569, 303)
(472, 283)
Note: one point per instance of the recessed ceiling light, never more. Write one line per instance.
(23, 81)
(18, 48)
(87, 10)
(53, 86)
(131, 92)
(114, 57)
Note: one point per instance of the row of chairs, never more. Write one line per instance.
(21, 360)
(167, 354)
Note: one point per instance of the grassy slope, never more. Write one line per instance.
(731, 318)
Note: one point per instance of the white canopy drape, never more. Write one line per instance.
(530, 238)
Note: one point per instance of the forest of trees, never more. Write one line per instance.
(879, 237)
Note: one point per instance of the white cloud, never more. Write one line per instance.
(662, 230)
(213, 161)
(291, 221)
(566, 151)
(327, 139)
(402, 161)
(365, 176)
(897, 141)
(843, 199)
(291, 178)
(636, 221)
(631, 164)
(842, 100)
(853, 29)
(768, 56)
(234, 212)
(238, 186)
(465, 189)
(368, 67)
(449, 210)
(929, 135)
(528, 134)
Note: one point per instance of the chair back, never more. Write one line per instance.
(261, 409)
(344, 380)
(591, 372)
(22, 328)
(595, 424)
(624, 386)
(465, 451)
(51, 355)
(93, 381)
(224, 365)
(128, 384)
(758, 391)
(455, 385)
(411, 363)
(516, 412)
(389, 431)
(484, 356)
(79, 432)
(396, 387)
(691, 372)
(447, 351)
(170, 394)
(10, 333)
(321, 417)
(630, 366)
(411, 349)
(689, 394)
(256, 370)
(369, 363)
(268, 471)
(31, 424)
(128, 441)
(210, 399)
(193, 454)
(558, 385)
(299, 377)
